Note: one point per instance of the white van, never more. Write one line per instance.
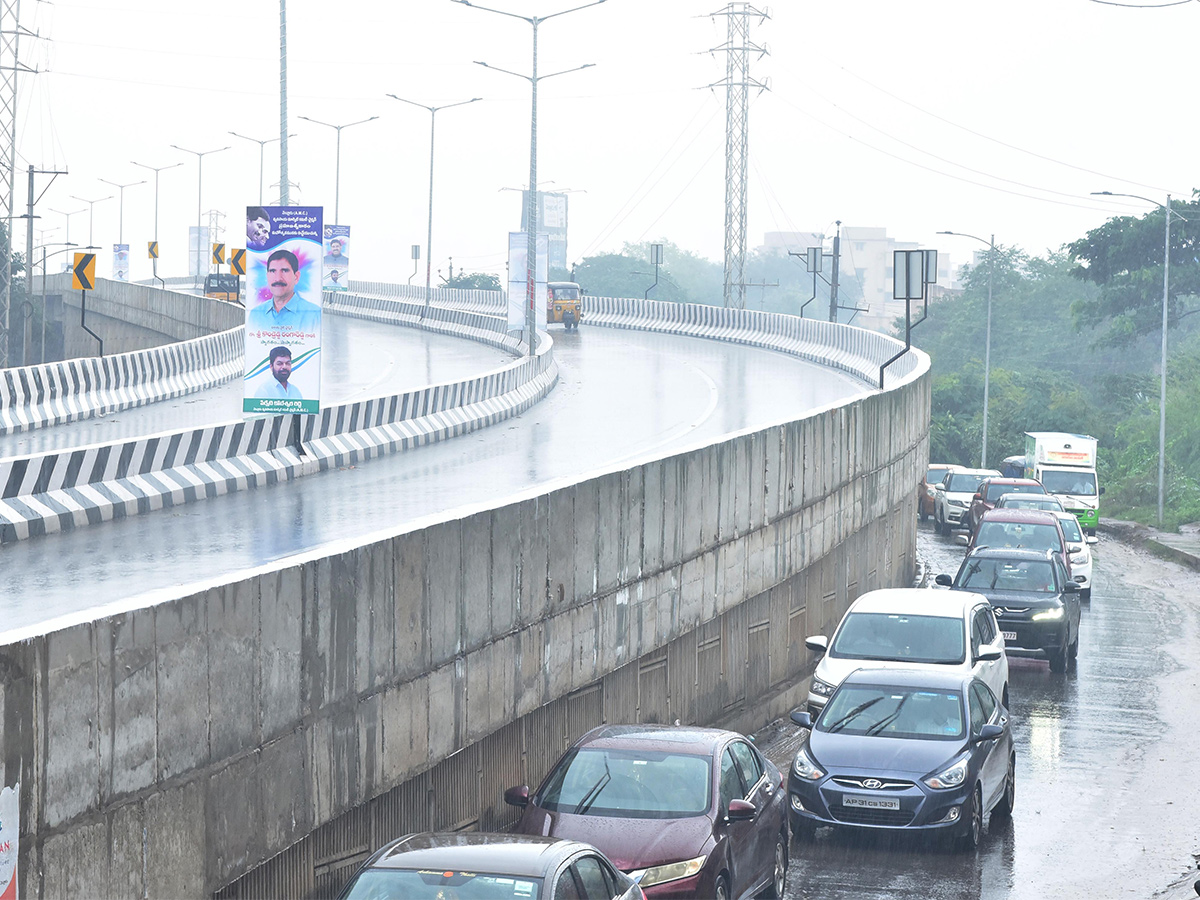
(912, 628)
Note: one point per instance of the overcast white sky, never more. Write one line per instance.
(914, 116)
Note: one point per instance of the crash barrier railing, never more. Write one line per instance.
(65, 489)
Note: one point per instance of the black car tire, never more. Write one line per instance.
(937, 522)
(721, 888)
(1086, 595)
(779, 868)
(1073, 651)
(1008, 799)
(803, 831)
(974, 833)
(1058, 660)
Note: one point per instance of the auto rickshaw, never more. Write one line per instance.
(564, 304)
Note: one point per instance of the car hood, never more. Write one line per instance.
(879, 755)
(960, 496)
(629, 843)
(1021, 599)
(833, 670)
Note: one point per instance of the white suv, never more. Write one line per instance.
(1079, 551)
(908, 628)
(952, 497)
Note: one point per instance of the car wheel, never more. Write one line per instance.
(1058, 660)
(937, 523)
(1005, 697)
(721, 888)
(1086, 595)
(1004, 808)
(1073, 650)
(803, 831)
(974, 833)
(779, 872)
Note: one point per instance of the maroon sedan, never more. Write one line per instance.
(686, 812)
(1028, 529)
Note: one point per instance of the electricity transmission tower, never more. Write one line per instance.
(10, 66)
(737, 84)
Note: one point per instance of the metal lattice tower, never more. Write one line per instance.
(737, 84)
(10, 67)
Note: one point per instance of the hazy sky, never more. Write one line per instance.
(914, 116)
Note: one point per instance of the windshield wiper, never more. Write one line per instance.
(888, 719)
(594, 791)
(857, 711)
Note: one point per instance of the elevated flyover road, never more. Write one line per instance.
(623, 396)
(361, 359)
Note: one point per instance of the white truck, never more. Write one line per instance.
(1065, 464)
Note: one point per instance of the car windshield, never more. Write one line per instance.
(1026, 535)
(638, 784)
(1029, 501)
(1006, 575)
(935, 474)
(1082, 484)
(1070, 527)
(995, 491)
(891, 636)
(964, 483)
(442, 884)
(892, 712)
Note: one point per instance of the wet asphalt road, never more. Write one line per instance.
(1107, 798)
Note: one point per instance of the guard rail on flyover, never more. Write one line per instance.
(262, 737)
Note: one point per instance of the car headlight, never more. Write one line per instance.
(805, 768)
(1049, 615)
(929, 492)
(1079, 558)
(950, 777)
(821, 688)
(961, 504)
(669, 872)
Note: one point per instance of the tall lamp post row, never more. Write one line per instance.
(987, 341)
(1162, 389)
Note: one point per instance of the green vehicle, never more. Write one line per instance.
(1065, 464)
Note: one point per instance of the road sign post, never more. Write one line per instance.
(83, 279)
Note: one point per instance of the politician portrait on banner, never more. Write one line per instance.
(283, 311)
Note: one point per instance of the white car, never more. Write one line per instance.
(912, 628)
(953, 496)
(1079, 551)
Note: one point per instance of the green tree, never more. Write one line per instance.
(626, 275)
(1124, 257)
(476, 281)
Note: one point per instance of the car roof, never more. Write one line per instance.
(986, 472)
(1025, 495)
(475, 851)
(916, 601)
(1027, 516)
(1026, 554)
(1005, 481)
(661, 738)
(951, 466)
(936, 679)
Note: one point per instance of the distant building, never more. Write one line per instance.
(866, 264)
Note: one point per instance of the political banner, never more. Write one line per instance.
(518, 244)
(10, 833)
(337, 258)
(120, 262)
(552, 219)
(283, 309)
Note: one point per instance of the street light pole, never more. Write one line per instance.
(66, 245)
(429, 234)
(337, 170)
(200, 154)
(261, 147)
(68, 215)
(531, 220)
(987, 345)
(121, 203)
(1162, 388)
(91, 208)
(156, 170)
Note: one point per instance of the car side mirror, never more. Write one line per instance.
(989, 654)
(1092, 539)
(741, 811)
(944, 580)
(803, 719)
(1101, 491)
(1071, 588)
(817, 643)
(988, 733)
(517, 796)
(963, 540)
(1074, 548)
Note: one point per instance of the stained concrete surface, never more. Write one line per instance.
(1106, 801)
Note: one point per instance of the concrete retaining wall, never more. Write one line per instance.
(307, 713)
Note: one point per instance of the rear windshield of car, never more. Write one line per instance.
(966, 484)
(890, 712)
(1082, 484)
(996, 491)
(1006, 575)
(934, 475)
(1025, 535)
(1030, 501)
(891, 636)
(631, 784)
(423, 884)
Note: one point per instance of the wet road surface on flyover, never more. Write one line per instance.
(361, 359)
(622, 396)
(1107, 796)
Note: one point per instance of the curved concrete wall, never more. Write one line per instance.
(305, 714)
